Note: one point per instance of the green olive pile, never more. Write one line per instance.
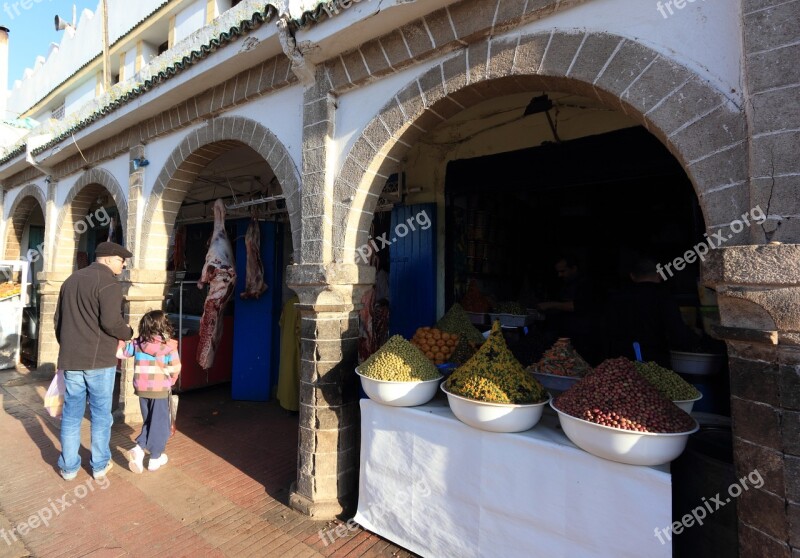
(615, 395)
(399, 361)
(510, 308)
(494, 375)
(667, 382)
(456, 321)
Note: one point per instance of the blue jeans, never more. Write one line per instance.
(99, 385)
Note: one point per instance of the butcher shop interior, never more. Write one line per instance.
(231, 244)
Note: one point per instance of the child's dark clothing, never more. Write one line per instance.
(155, 428)
(156, 368)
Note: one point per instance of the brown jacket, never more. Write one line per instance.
(89, 319)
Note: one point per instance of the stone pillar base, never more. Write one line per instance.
(128, 413)
(322, 509)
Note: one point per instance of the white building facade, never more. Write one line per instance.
(332, 98)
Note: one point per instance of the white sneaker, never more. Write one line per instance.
(154, 464)
(136, 459)
(102, 472)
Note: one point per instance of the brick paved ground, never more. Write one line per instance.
(223, 492)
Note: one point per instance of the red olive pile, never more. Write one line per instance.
(616, 395)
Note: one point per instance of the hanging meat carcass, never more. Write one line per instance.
(254, 285)
(179, 250)
(219, 274)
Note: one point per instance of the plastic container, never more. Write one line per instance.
(688, 404)
(554, 383)
(511, 320)
(477, 318)
(699, 364)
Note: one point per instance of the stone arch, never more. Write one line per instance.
(698, 124)
(91, 183)
(18, 217)
(196, 150)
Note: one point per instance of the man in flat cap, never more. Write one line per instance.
(89, 321)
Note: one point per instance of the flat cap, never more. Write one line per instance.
(111, 249)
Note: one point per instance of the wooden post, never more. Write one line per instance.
(106, 59)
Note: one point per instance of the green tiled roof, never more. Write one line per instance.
(256, 19)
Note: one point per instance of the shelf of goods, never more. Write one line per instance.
(438, 487)
(13, 299)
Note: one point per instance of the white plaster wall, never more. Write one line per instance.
(705, 36)
(65, 184)
(13, 194)
(223, 6)
(358, 107)
(282, 114)
(118, 168)
(190, 19)
(130, 64)
(158, 152)
(81, 95)
(76, 48)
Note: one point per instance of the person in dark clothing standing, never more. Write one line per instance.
(646, 313)
(573, 314)
(89, 324)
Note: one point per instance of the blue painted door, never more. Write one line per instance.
(412, 270)
(256, 331)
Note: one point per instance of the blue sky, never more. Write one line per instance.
(32, 29)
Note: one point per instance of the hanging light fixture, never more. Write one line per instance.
(542, 103)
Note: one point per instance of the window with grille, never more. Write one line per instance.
(57, 113)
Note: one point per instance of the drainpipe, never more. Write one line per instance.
(3, 71)
(303, 69)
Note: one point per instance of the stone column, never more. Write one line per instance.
(758, 291)
(49, 285)
(4, 223)
(327, 478)
(144, 291)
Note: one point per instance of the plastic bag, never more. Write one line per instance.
(173, 412)
(54, 397)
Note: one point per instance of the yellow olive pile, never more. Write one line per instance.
(9, 289)
(616, 395)
(667, 382)
(436, 344)
(494, 375)
(399, 361)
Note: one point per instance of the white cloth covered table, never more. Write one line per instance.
(440, 488)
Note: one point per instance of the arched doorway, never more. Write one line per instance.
(700, 126)
(94, 211)
(25, 241)
(239, 165)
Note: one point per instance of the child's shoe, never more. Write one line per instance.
(154, 464)
(136, 459)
